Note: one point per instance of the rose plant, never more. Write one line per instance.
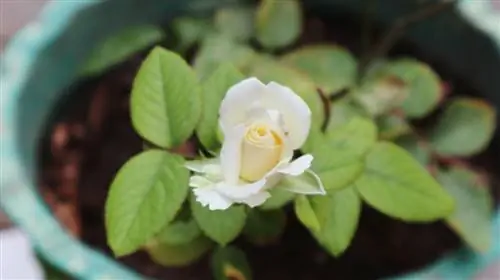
(299, 129)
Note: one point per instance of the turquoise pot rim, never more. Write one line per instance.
(66, 252)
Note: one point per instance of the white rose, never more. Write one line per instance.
(262, 126)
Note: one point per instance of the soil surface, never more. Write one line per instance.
(90, 137)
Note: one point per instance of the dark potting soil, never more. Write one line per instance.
(90, 137)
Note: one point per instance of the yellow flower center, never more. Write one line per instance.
(261, 151)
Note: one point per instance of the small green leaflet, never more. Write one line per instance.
(332, 68)
(279, 198)
(264, 227)
(465, 128)
(214, 90)
(165, 101)
(179, 232)
(417, 148)
(180, 254)
(392, 126)
(332, 219)
(398, 186)
(221, 226)
(230, 263)
(145, 196)
(472, 218)
(278, 23)
(338, 157)
(121, 46)
(236, 22)
(423, 83)
(217, 49)
(190, 30)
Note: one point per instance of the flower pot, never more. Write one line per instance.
(43, 59)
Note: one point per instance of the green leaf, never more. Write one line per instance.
(190, 30)
(465, 128)
(397, 185)
(423, 83)
(219, 49)
(120, 47)
(381, 95)
(264, 227)
(278, 23)
(418, 149)
(230, 263)
(236, 22)
(305, 183)
(338, 157)
(392, 126)
(144, 197)
(337, 215)
(222, 226)
(179, 232)
(214, 90)
(332, 68)
(472, 218)
(279, 198)
(180, 254)
(267, 70)
(305, 213)
(165, 101)
(342, 111)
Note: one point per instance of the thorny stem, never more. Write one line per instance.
(398, 28)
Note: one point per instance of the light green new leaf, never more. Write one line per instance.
(165, 101)
(472, 218)
(392, 126)
(423, 83)
(217, 49)
(230, 263)
(278, 23)
(337, 216)
(465, 128)
(279, 198)
(264, 227)
(221, 226)
(397, 185)
(338, 157)
(332, 68)
(418, 149)
(121, 46)
(213, 91)
(179, 232)
(236, 22)
(144, 197)
(305, 213)
(178, 255)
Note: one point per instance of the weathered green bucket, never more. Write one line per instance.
(44, 57)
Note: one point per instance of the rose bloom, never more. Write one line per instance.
(262, 126)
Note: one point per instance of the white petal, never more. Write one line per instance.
(230, 155)
(297, 166)
(199, 182)
(208, 196)
(295, 112)
(256, 199)
(306, 183)
(239, 99)
(241, 191)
